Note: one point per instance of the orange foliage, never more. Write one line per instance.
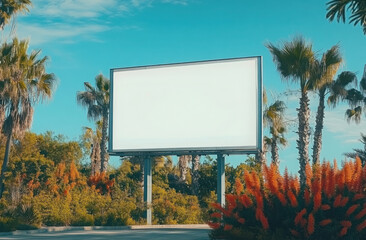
(228, 227)
(238, 186)
(325, 207)
(74, 173)
(307, 196)
(214, 225)
(361, 226)
(343, 231)
(231, 201)
(344, 201)
(308, 174)
(337, 201)
(291, 196)
(241, 220)
(326, 188)
(317, 200)
(347, 224)
(325, 222)
(101, 182)
(351, 209)
(311, 223)
(215, 215)
(245, 200)
(361, 214)
(299, 216)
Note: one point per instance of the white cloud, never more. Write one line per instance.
(182, 2)
(39, 34)
(71, 20)
(73, 8)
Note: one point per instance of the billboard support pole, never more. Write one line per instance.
(221, 179)
(148, 187)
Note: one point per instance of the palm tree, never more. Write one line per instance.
(260, 157)
(91, 143)
(356, 100)
(24, 83)
(96, 100)
(338, 8)
(9, 8)
(195, 174)
(321, 78)
(183, 163)
(294, 61)
(273, 117)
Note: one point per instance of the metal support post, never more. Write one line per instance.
(148, 188)
(221, 179)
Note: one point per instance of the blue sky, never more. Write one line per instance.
(86, 37)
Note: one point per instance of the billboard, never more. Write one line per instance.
(203, 107)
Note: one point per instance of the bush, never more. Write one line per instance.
(332, 205)
(7, 224)
(170, 207)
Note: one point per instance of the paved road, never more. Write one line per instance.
(155, 234)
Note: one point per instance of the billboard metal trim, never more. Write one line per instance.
(199, 151)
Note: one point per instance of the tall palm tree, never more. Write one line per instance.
(322, 76)
(294, 61)
(24, 83)
(273, 117)
(9, 8)
(338, 8)
(96, 100)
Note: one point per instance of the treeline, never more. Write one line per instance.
(49, 183)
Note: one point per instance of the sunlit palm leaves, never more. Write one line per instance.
(24, 83)
(321, 79)
(273, 117)
(294, 61)
(339, 8)
(8, 8)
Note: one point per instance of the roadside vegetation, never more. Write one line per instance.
(48, 180)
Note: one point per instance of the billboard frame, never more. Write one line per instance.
(199, 150)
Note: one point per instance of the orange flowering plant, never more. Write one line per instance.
(331, 205)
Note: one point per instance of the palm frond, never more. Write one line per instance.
(354, 97)
(363, 80)
(339, 88)
(354, 114)
(338, 9)
(294, 60)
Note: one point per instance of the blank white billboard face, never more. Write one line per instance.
(204, 106)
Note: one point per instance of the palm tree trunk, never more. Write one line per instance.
(319, 122)
(303, 131)
(195, 174)
(261, 155)
(274, 152)
(5, 163)
(95, 157)
(103, 142)
(183, 162)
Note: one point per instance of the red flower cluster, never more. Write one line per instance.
(328, 190)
